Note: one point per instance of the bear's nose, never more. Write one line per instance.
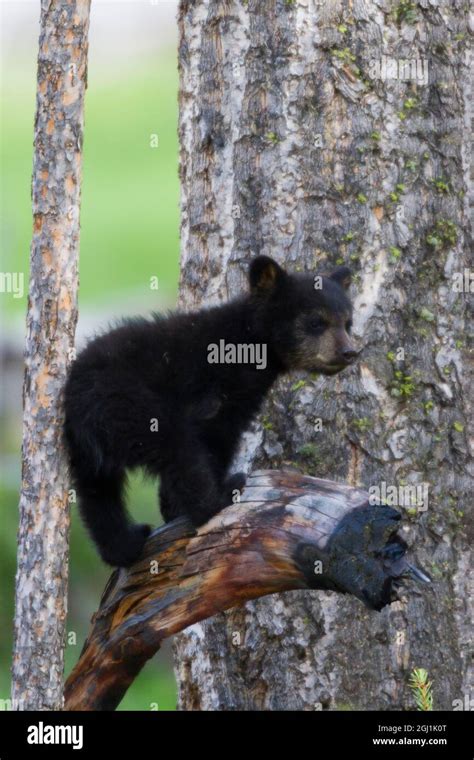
(349, 354)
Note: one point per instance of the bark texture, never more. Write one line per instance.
(43, 538)
(291, 147)
(288, 531)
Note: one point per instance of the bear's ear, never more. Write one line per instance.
(343, 276)
(265, 274)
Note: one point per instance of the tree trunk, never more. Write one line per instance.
(297, 142)
(43, 538)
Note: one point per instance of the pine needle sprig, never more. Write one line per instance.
(422, 689)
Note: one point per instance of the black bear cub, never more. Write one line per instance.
(174, 394)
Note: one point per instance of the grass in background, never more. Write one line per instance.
(130, 190)
(129, 214)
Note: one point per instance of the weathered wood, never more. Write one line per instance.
(272, 540)
(43, 538)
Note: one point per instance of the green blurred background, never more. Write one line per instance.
(129, 233)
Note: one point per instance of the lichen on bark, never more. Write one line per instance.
(291, 147)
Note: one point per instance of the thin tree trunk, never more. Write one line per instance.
(296, 144)
(43, 538)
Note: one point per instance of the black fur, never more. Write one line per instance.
(158, 369)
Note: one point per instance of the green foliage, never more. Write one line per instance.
(427, 315)
(441, 186)
(362, 424)
(272, 137)
(422, 689)
(298, 385)
(266, 424)
(410, 103)
(308, 451)
(345, 55)
(402, 385)
(443, 235)
(406, 11)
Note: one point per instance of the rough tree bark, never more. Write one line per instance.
(43, 538)
(296, 143)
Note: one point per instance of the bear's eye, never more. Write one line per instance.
(316, 324)
(348, 325)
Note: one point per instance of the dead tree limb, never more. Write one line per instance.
(289, 531)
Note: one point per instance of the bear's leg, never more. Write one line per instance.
(165, 497)
(227, 491)
(172, 495)
(101, 504)
(188, 483)
(222, 452)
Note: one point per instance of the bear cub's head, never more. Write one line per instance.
(307, 318)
